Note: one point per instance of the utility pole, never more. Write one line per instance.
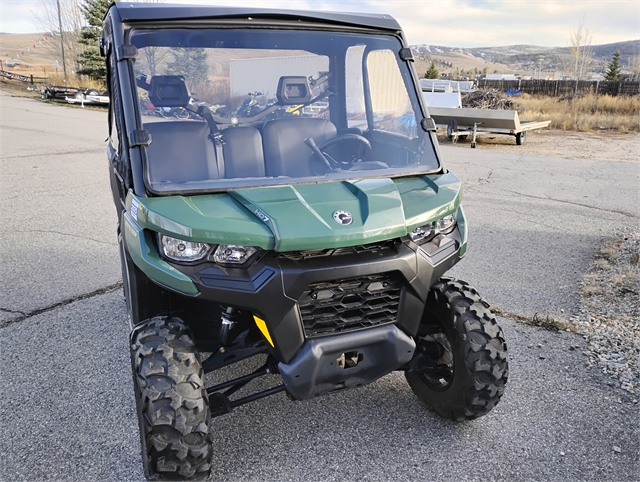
(64, 64)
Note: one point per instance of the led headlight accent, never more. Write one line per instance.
(179, 250)
(233, 254)
(446, 224)
(422, 234)
(427, 232)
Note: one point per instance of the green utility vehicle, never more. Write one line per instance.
(280, 194)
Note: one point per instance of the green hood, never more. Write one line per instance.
(301, 217)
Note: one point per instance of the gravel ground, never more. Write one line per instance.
(610, 318)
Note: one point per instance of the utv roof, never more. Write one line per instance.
(140, 12)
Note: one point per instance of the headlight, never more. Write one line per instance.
(446, 224)
(233, 254)
(427, 232)
(180, 250)
(422, 234)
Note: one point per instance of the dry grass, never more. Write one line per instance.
(610, 252)
(545, 321)
(590, 290)
(75, 81)
(583, 114)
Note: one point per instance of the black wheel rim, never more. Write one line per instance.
(440, 367)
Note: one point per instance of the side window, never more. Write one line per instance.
(392, 111)
(356, 111)
(113, 139)
(114, 107)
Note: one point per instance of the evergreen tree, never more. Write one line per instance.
(192, 63)
(613, 72)
(432, 73)
(91, 64)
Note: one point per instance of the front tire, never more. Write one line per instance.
(171, 400)
(460, 368)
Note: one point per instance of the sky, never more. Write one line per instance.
(453, 23)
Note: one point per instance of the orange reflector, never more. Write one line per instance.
(262, 326)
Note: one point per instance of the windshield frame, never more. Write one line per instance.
(429, 140)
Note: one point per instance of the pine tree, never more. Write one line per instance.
(91, 64)
(613, 72)
(432, 73)
(192, 63)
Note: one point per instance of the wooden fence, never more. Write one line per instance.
(562, 88)
(22, 78)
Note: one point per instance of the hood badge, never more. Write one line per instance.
(342, 217)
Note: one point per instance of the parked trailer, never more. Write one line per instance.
(91, 97)
(461, 123)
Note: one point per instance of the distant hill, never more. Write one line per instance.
(35, 54)
(519, 59)
(33, 51)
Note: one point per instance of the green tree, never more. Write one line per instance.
(89, 60)
(613, 72)
(192, 63)
(432, 73)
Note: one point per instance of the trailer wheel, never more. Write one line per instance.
(473, 145)
(171, 400)
(520, 137)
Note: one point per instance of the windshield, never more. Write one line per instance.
(229, 108)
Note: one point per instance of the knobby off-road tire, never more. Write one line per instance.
(471, 357)
(172, 403)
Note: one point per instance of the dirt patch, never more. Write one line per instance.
(611, 319)
(593, 146)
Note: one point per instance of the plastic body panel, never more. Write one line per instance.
(316, 369)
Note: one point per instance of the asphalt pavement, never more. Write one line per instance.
(67, 411)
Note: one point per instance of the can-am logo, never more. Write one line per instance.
(342, 217)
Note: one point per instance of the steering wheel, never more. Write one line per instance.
(363, 151)
(322, 161)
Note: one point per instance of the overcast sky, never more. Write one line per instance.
(455, 23)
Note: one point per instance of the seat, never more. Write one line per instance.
(180, 151)
(243, 154)
(285, 152)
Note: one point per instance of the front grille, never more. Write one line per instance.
(323, 253)
(340, 306)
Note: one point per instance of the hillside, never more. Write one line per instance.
(35, 53)
(521, 59)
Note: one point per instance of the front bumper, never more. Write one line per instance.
(273, 286)
(320, 366)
